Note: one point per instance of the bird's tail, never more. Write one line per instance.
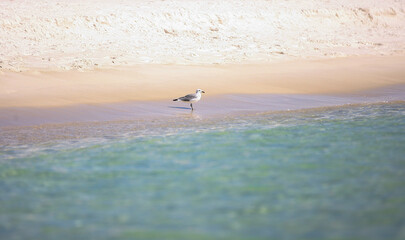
(176, 99)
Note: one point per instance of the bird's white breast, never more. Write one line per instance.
(197, 98)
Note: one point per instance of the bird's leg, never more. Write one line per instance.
(191, 105)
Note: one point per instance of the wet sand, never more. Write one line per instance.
(38, 97)
(165, 82)
(209, 107)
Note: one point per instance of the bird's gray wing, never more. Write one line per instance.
(188, 97)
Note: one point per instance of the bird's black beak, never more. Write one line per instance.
(203, 91)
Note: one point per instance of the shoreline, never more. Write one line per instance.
(211, 107)
(115, 129)
(161, 82)
(145, 92)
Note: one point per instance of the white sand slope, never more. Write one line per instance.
(95, 34)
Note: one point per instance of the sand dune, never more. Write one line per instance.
(63, 35)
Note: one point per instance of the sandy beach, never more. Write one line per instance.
(65, 53)
(164, 82)
(82, 35)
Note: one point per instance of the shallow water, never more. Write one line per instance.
(328, 173)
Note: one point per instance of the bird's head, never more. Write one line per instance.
(199, 91)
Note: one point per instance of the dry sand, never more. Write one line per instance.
(77, 34)
(164, 82)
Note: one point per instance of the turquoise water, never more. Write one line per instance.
(332, 173)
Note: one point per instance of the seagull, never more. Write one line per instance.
(191, 98)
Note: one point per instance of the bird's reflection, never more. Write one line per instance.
(189, 115)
